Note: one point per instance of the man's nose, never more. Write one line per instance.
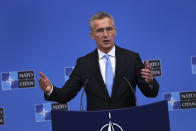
(105, 33)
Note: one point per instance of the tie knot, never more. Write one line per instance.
(107, 56)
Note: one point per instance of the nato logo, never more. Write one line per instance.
(68, 71)
(173, 100)
(156, 67)
(193, 62)
(15, 80)
(111, 126)
(43, 111)
(180, 100)
(1, 117)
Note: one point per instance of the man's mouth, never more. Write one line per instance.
(106, 41)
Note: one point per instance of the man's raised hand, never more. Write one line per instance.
(45, 83)
(147, 73)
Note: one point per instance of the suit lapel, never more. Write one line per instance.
(119, 71)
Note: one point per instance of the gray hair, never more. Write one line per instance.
(99, 15)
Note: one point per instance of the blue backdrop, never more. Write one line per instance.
(47, 35)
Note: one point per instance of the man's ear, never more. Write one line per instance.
(92, 35)
(115, 31)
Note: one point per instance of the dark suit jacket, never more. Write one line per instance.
(128, 65)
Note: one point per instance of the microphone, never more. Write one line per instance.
(131, 89)
(81, 104)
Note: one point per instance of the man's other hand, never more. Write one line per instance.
(45, 83)
(147, 73)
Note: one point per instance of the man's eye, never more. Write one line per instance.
(100, 30)
(109, 28)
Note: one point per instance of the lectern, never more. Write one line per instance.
(151, 117)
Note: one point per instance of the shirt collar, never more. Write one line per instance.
(111, 53)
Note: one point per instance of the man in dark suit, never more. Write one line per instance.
(109, 73)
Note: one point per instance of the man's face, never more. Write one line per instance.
(103, 32)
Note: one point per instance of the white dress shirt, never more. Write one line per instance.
(102, 61)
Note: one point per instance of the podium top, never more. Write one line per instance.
(151, 117)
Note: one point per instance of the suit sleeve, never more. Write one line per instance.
(149, 90)
(70, 89)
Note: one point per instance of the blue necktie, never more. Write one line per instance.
(108, 75)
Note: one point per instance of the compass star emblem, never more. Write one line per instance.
(111, 126)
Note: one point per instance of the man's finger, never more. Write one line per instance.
(42, 75)
(43, 86)
(41, 83)
(147, 77)
(41, 80)
(147, 74)
(147, 65)
(147, 70)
